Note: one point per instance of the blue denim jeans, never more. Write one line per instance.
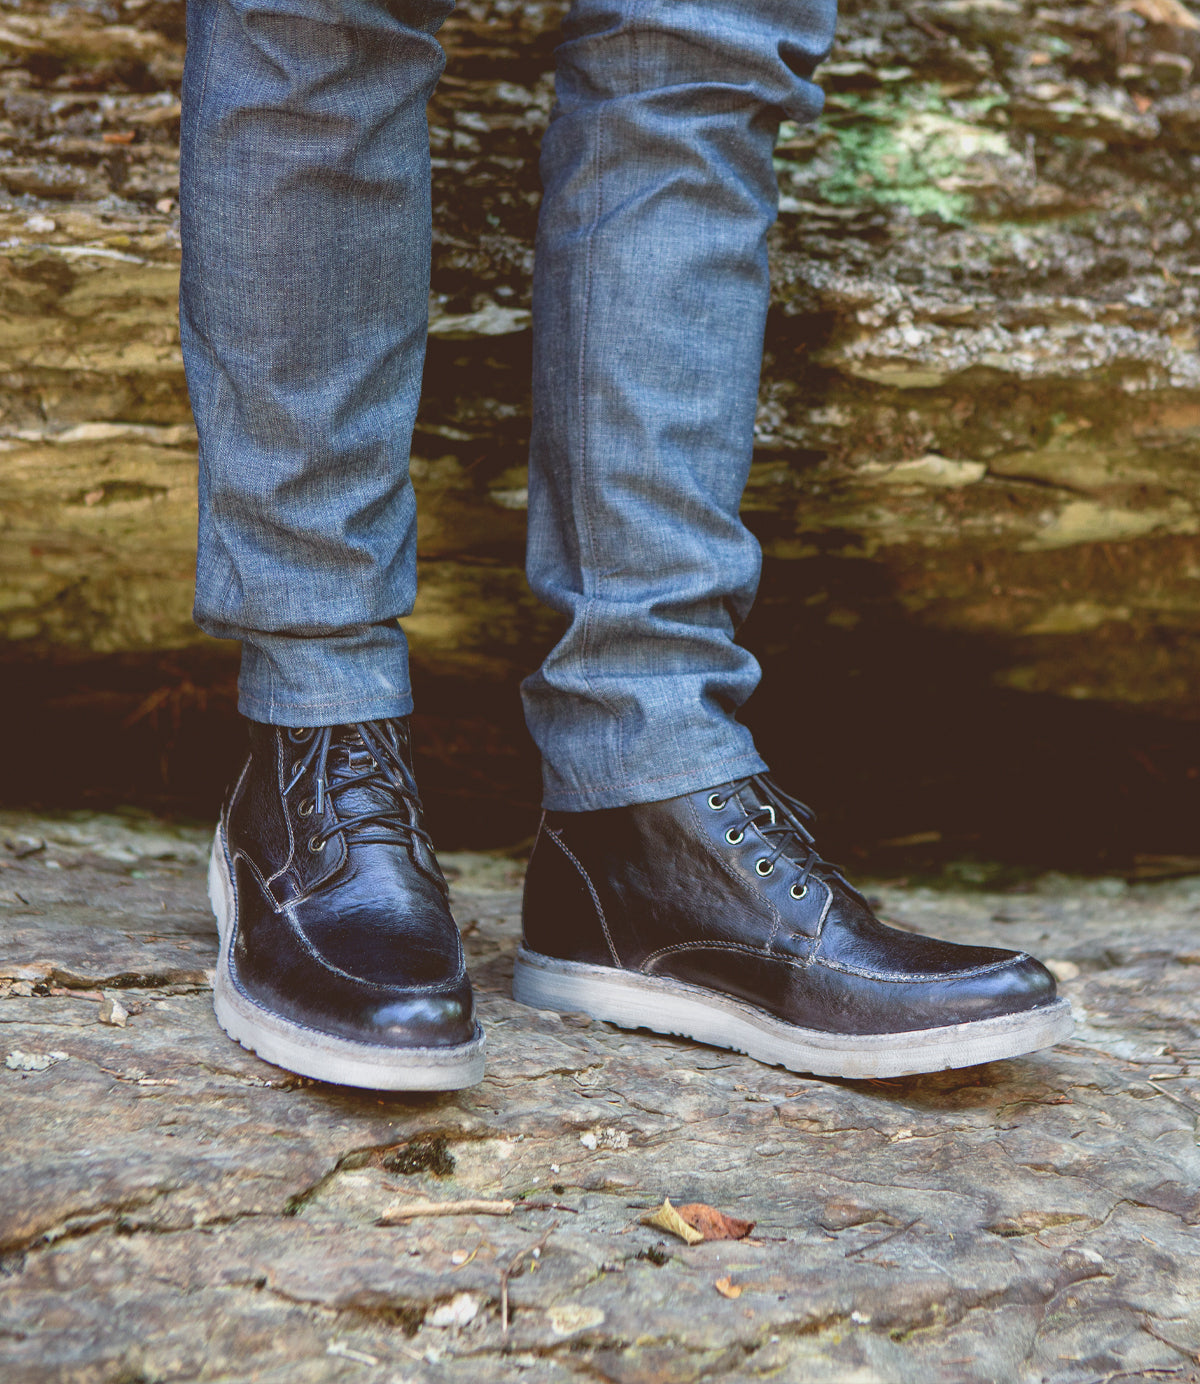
(305, 200)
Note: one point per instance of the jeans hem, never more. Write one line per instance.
(709, 774)
(330, 713)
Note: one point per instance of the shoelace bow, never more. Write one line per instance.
(784, 823)
(398, 823)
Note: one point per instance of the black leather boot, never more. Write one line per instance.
(339, 957)
(712, 916)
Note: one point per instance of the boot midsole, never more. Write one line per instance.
(633, 1000)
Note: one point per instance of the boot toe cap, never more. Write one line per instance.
(446, 1019)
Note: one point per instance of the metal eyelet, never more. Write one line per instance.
(716, 801)
(734, 837)
(798, 893)
(299, 735)
(296, 767)
(758, 867)
(305, 808)
(315, 844)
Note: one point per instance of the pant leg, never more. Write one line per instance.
(650, 298)
(305, 206)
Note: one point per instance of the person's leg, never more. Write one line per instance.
(673, 886)
(306, 232)
(305, 206)
(650, 298)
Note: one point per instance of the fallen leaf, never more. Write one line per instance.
(119, 137)
(713, 1224)
(727, 1288)
(668, 1219)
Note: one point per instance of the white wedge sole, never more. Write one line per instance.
(324, 1056)
(632, 1000)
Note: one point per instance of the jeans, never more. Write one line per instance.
(305, 203)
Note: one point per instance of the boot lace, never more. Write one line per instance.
(397, 818)
(785, 824)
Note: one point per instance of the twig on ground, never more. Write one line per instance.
(883, 1239)
(1183, 1104)
(512, 1268)
(407, 1211)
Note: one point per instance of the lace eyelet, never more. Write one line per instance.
(315, 844)
(758, 867)
(296, 767)
(716, 801)
(734, 837)
(299, 735)
(798, 893)
(305, 808)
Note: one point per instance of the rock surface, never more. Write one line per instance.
(173, 1209)
(981, 401)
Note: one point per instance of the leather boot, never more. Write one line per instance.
(712, 916)
(339, 957)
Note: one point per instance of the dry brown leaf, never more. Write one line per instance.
(727, 1288)
(668, 1219)
(1169, 12)
(713, 1224)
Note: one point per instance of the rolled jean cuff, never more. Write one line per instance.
(709, 773)
(356, 675)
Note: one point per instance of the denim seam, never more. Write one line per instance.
(661, 778)
(217, 373)
(581, 392)
(271, 704)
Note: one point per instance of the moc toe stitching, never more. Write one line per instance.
(920, 977)
(377, 898)
(296, 1022)
(695, 917)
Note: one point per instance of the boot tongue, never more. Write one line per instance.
(748, 801)
(350, 757)
(349, 739)
(778, 824)
(379, 791)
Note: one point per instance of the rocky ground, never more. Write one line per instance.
(173, 1209)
